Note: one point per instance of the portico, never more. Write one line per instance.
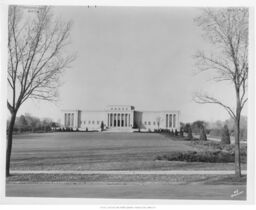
(120, 116)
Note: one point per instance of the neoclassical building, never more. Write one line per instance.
(121, 118)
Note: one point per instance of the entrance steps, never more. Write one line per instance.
(119, 130)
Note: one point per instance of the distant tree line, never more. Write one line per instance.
(29, 123)
(215, 129)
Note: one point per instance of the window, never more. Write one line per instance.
(89, 122)
(154, 123)
(84, 122)
(149, 123)
(98, 122)
(170, 120)
(93, 122)
(145, 123)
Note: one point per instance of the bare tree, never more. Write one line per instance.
(158, 120)
(36, 60)
(227, 29)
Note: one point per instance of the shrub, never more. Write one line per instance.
(190, 136)
(181, 133)
(193, 156)
(214, 146)
(203, 136)
(225, 137)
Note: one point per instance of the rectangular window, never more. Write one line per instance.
(149, 123)
(89, 122)
(170, 121)
(145, 123)
(154, 123)
(98, 122)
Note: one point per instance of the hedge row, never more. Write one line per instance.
(206, 156)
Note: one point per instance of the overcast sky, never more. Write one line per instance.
(135, 56)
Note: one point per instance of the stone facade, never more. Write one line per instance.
(121, 117)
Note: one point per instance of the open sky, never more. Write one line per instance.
(140, 56)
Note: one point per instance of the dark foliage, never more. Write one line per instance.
(225, 137)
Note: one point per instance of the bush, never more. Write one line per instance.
(194, 156)
(181, 133)
(190, 136)
(225, 137)
(203, 136)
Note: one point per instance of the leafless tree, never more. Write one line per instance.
(227, 29)
(158, 120)
(36, 59)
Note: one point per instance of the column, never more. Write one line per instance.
(68, 120)
(115, 120)
(112, 119)
(122, 120)
(118, 121)
(108, 120)
(72, 120)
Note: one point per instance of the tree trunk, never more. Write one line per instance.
(237, 147)
(237, 135)
(9, 143)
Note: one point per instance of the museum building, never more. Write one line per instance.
(120, 118)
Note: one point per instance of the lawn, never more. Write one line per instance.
(102, 151)
(134, 191)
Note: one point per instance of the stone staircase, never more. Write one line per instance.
(119, 130)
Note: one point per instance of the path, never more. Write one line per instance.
(184, 172)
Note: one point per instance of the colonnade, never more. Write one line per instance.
(69, 120)
(119, 120)
(170, 120)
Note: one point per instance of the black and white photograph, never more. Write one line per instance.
(128, 102)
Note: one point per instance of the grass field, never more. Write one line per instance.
(114, 151)
(101, 151)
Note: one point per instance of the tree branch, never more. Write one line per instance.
(205, 99)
